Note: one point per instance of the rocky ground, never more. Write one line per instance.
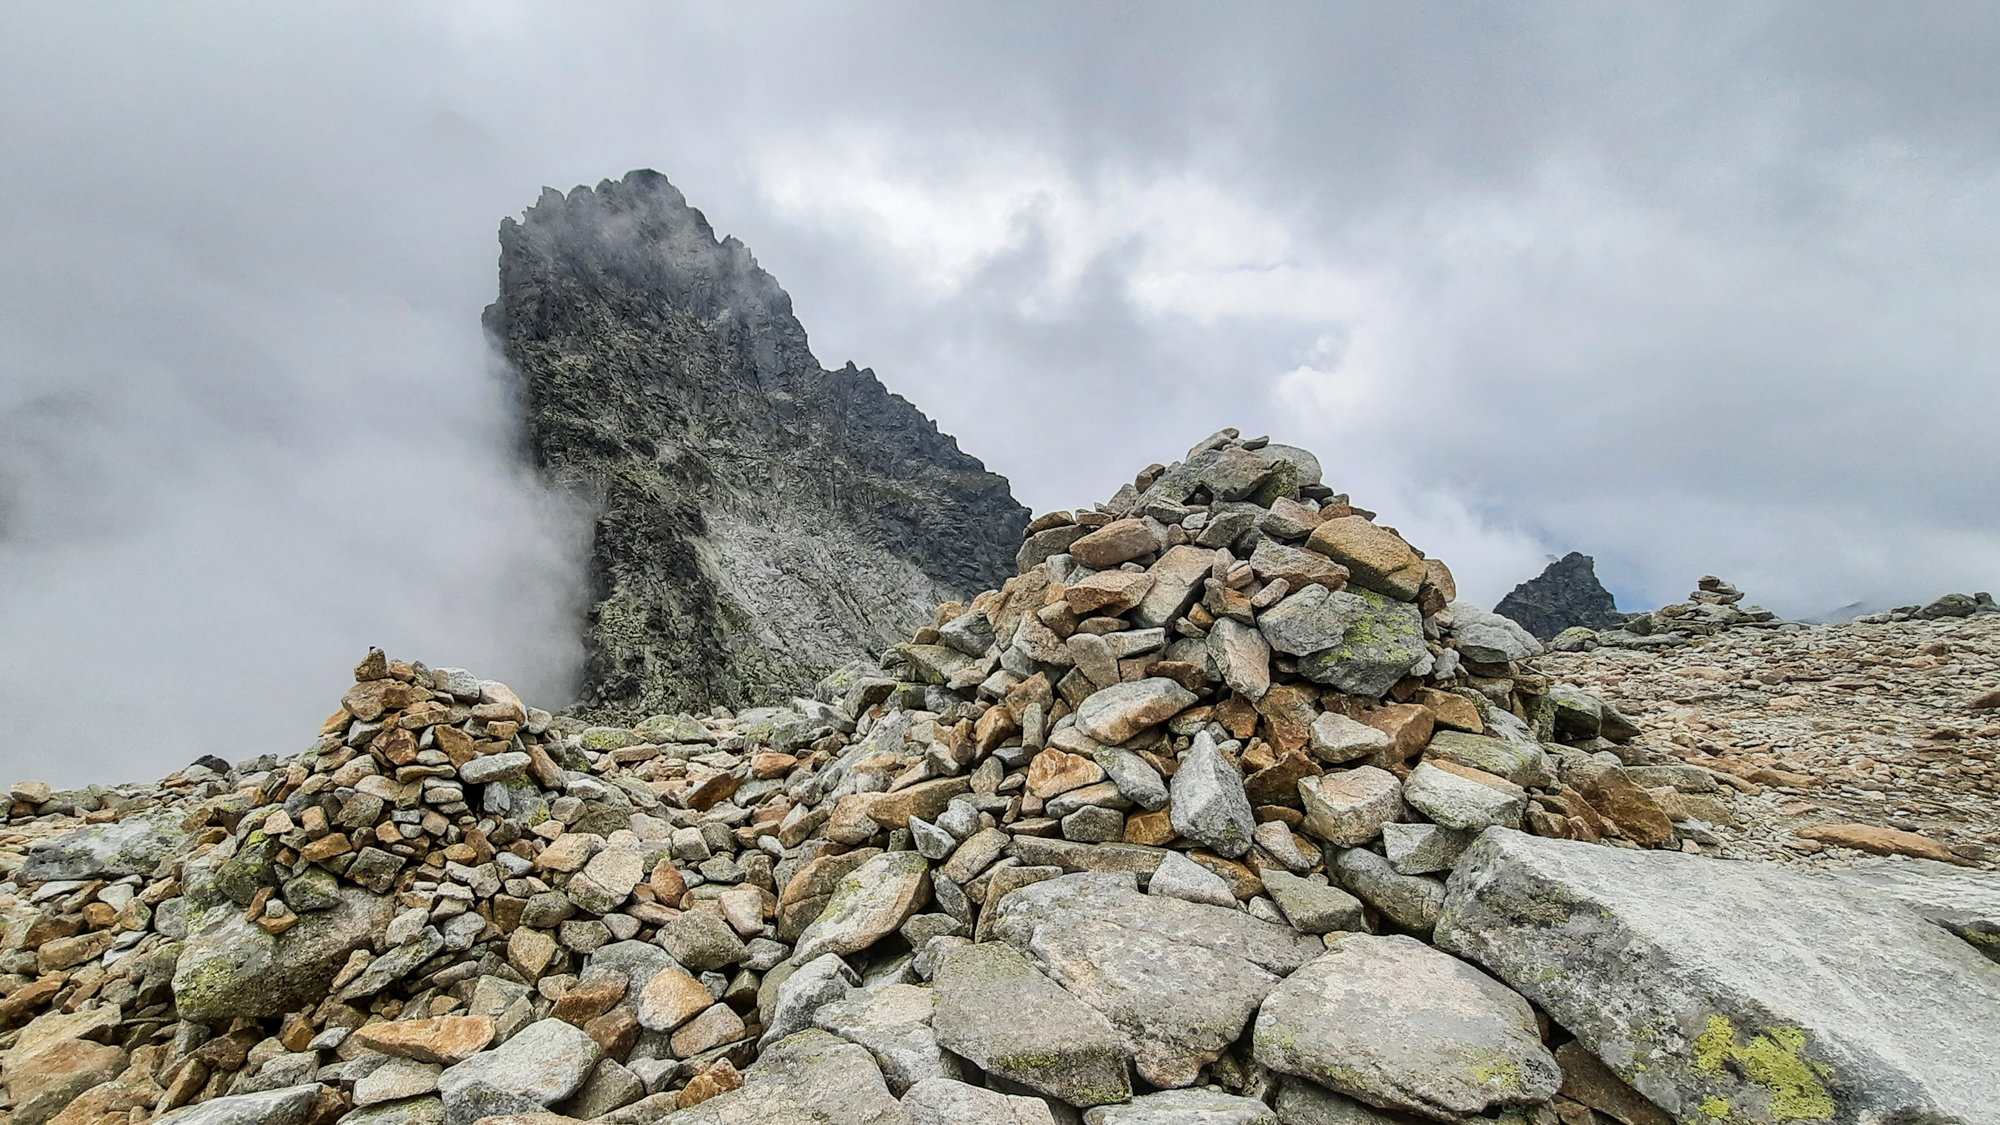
(1222, 811)
(1867, 723)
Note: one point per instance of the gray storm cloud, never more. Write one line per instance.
(1689, 288)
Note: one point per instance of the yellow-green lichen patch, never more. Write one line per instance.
(1772, 1061)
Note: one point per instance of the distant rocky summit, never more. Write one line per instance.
(1564, 596)
(759, 519)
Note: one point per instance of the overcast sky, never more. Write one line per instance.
(1691, 288)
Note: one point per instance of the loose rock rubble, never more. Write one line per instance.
(1224, 809)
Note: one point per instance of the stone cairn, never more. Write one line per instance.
(1159, 831)
(1710, 609)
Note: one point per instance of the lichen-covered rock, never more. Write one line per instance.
(1381, 644)
(1400, 1025)
(1730, 991)
(1179, 979)
(997, 1010)
(233, 968)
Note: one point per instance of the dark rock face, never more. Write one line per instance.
(1564, 595)
(759, 519)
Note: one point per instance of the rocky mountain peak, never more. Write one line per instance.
(759, 519)
(1565, 595)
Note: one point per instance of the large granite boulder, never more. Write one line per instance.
(1000, 1012)
(1735, 992)
(1178, 979)
(233, 968)
(1400, 1025)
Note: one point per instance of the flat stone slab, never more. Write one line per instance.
(999, 1011)
(1733, 991)
(1178, 979)
(811, 1078)
(1207, 1106)
(1400, 1025)
(1964, 902)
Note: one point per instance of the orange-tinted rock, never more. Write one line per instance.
(1881, 841)
(1053, 772)
(443, 1039)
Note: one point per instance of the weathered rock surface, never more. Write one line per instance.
(996, 1009)
(1179, 980)
(234, 968)
(759, 520)
(811, 1078)
(1399, 1025)
(1735, 991)
(1184, 1107)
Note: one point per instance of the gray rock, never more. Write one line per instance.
(425, 1110)
(871, 903)
(544, 1062)
(1182, 878)
(997, 1010)
(811, 1078)
(1180, 980)
(1308, 1103)
(232, 968)
(1382, 645)
(395, 1079)
(315, 888)
(1112, 715)
(133, 846)
(818, 982)
(1349, 808)
(1313, 908)
(700, 941)
(942, 1101)
(494, 767)
(1735, 991)
(1335, 738)
(1209, 805)
(1311, 620)
(1420, 849)
(1242, 656)
(1137, 781)
(1412, 902)
(1177, 581)
(970, 632)
(1206, 1106)
(394, 965)
(931, 842)
(1400, 1025)
(1460, 802)
(477, 1101)
(1523, 764)
(1486, 637)
(894, 1022)
(1964, 902)
(609, 1087)
(1094, 824)
(288, 1106)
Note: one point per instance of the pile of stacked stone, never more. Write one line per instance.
(1710, 609)
(1222, 809)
